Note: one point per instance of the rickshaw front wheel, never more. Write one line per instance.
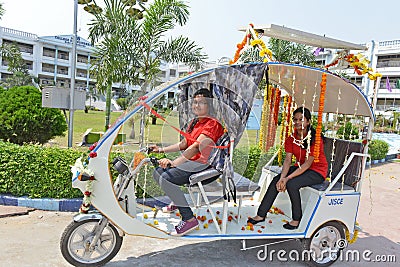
(325, 245)
(76, 242)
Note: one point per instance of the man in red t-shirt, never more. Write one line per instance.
(203, 133)
(306, 170)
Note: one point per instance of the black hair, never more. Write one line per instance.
(307, 114)
(208, 95)
(204, 92)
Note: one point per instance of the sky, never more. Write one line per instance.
(214, 24)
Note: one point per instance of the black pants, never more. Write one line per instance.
(309, 177)
(171, 178)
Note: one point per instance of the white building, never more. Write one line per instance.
(49, 58)
(385, 59)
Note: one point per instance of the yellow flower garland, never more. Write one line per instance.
(264, 120)
(354, 238)
(264, 52)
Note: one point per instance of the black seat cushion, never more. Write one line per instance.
(337, 187)
(206, 176)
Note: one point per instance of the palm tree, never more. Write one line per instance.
(286, 51)
(130, 42)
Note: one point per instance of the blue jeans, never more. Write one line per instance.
(171, 178)
(309, 177)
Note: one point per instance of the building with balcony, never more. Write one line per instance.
(385, 59)
(49, 58)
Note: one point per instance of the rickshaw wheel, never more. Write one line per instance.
(325, 245)
(76, 239)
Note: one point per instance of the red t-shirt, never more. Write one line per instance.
(300, 153)
(212, 129)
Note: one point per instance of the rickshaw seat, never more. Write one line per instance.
(337, 187)
(203, 175)
(343, 150)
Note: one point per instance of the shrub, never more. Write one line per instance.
(44, 172)
(250, 161)
(37, 171)
(24, 120)
(378, 149)
(347, 130)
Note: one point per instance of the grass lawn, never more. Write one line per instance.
(159, 133)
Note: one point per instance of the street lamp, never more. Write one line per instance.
(73, 70)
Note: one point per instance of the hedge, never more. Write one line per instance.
(37, 171)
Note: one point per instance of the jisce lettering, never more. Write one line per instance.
(335, 201)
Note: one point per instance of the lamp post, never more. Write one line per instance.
(73, 69)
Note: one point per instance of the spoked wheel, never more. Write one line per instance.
(76, 243)
(325, 245)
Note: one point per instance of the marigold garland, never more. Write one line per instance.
(271, 133)
(264, 120)
(288, 117)
(137, 158)
(354, 238)
(318, 131)
(264, 52)
(283, 129)
(360, 64)
(240, 46)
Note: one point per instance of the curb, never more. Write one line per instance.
(70, 205)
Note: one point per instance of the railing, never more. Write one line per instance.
(390, 43)
(388, 64)
(20, 33)
(65, 72)
(387, 107)
(48, 70)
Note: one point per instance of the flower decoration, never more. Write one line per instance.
(318, 130)
(264, 51)
(360, 64)
(86, 175)
(240, 46)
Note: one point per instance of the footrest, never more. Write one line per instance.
(244, 185)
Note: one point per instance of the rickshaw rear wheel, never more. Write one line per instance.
(325, 245)
(76, 240)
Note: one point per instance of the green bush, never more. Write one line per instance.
(250, 161)
(37, 171)
(378, 149)
(43, 172)
(24, 120)
(345, 131)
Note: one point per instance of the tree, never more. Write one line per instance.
(285, 51)
(24, 120)
(16, 65)
(130, 42)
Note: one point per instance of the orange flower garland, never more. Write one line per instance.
(264, 120)
(270, 135)
(318, 131)
(240, 46)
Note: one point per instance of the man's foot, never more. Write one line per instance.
(255, 220)
(185, 227)
(170, 208)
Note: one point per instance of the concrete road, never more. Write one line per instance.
(33, 239)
